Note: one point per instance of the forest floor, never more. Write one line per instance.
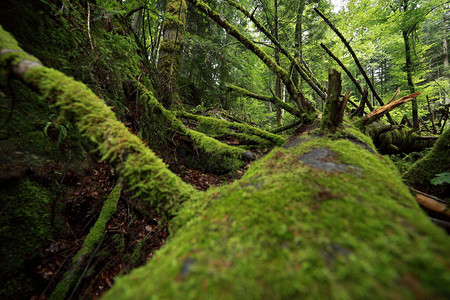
(131, 237)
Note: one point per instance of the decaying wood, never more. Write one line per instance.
(430, 202)
(334, 108)
(355, 82)
(379, 112)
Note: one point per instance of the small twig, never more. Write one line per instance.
(428, 137)
(87, 266)
(395, 95)
(89, 25)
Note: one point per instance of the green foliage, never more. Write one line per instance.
(61, 128)
(441, 178)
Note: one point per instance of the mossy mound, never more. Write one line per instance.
(323, 219)
(437, 161)
(24, 228)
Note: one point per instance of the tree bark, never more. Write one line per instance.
(445, 52)
(409, 71)
(298, 40)
(170, 51)
(277, 60)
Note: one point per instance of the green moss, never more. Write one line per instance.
(219, 155)
(24, 228)
(290, 230)
(96, 232)
(219, 127)
(435, 162)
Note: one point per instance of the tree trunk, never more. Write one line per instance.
(170, 51)
(298, 43)
(277, 60)
(409, 71)
(445, 51)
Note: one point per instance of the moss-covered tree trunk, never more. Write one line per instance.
(170, 51)
(320, 218)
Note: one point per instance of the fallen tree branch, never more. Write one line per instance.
(214, 124)
(286, 127)
(273, 99)
(379, 112)
(92, 239)
(231, 158)
(360, 110)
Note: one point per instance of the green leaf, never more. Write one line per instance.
(441, 178)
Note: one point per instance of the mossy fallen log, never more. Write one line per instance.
(322, 218)
(273, 99)
(398, 140)
(227, 157)
(216, 126)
